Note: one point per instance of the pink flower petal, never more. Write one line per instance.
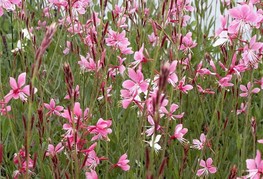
(13, 83)
(243, 88)
(209, 162)
(21, 80)
(255, 90)
(200, 172)
(128, 84)
(202, 163)
(26, 90)
(212, 169)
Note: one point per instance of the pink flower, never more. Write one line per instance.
(203, 71)
(77, 110)
(41, 25)
(74, 93)
(187, 42)
(137, 82)
(53, 109)
(92, 147)
(234, 68)
(151, 130)
(255, 167)
(16, 2)
(133, 7)
(223, 38)
(46, 12)
(122, 22)
(254, 1)
(224, 82)
(118, 10)
(4, 108)
(59, 3)
(260, 17)
(182, 87)
(133, 87)
(121, 67)
(223, 21)
(180, 6)
(244, 12)
(251, 53)
(126, 50)
(139, 57)
(101, 129)
(52, 151)
(129, 96)
(8, 5)
(75, 27)
(207, 168)
(106, 92)
(81, 5)
(199, 144)
(74, 139)
(91, 175)
(152, 99)
(173, 78)
(179, 133)
(76, 114)
(170, 114)
(260, 82)
(247, 89)
(243, 15)
(92, 159)
(146, 11)
(123, 163)
(88, 64)
(153, 39)
(24, 165)
(205, 91)
(67, 49)
(69, 130)
(117, 40)
(184, 5)
(118, 69)
(243, 108)
(18, 89)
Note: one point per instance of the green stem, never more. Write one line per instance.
(245, 133)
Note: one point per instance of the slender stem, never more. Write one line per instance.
(245, 133)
